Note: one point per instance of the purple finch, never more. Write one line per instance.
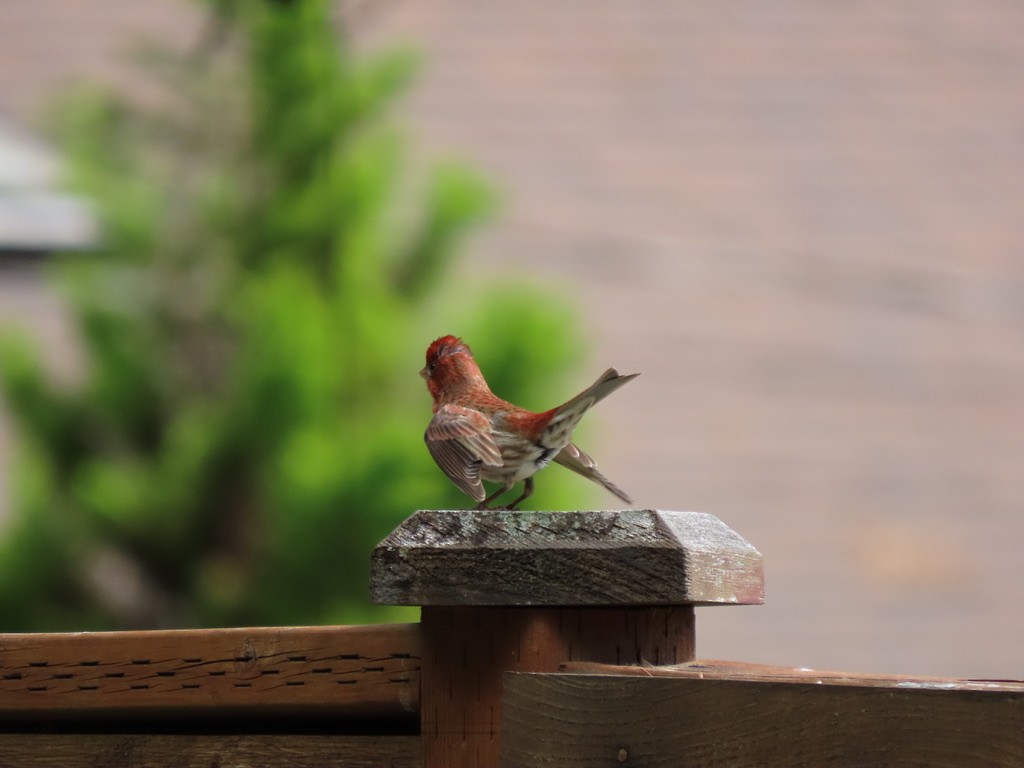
(476, 435)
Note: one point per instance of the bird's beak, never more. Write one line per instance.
(423, 373)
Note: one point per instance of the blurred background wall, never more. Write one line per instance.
(804, 223)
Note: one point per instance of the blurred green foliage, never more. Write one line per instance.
(249, 421)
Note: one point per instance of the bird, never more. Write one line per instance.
(474, 435)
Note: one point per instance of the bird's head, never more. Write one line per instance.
(450, 368)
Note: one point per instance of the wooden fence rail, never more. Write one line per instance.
(360, 672)
(546, 639)
(588, 720)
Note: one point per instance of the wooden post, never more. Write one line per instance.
(529, 591)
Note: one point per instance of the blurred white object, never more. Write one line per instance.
(34, 214)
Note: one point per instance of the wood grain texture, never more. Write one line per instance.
(189, 751)
(632, 557)
(466, 651)
(593, 720)
(714, 669)
(370, 671)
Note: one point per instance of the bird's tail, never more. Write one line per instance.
(561, 421)
(609, 381)
(579, 462)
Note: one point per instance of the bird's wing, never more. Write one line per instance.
(573, 458)
(460, 441)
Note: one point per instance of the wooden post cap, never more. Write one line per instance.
(597, 558)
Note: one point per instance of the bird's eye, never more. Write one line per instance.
(431, 367)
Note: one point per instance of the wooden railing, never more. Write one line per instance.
(368, 672)
(546, 639)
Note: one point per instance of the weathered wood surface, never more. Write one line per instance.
(467, 650)
(574, 720)
(370, 671)
(205, 751)
(632, 557)
(713, 669)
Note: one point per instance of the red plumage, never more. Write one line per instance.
(476, 435)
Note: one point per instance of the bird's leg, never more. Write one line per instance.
(527, 493)
(483, 504)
